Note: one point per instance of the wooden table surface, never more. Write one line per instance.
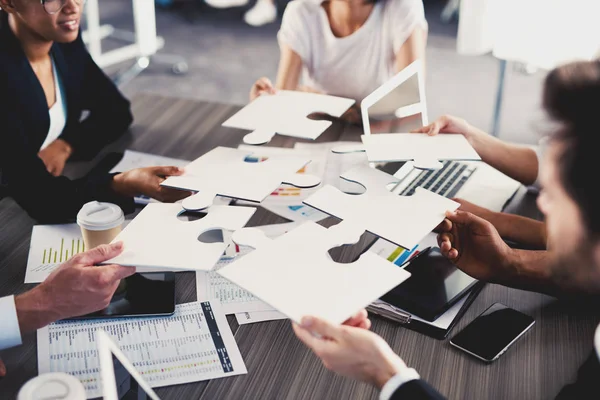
(279, 366)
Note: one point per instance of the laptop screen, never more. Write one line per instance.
(400, 110)
(127, 387)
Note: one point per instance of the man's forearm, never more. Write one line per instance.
(519, 229)
(518, 162)
(34, 310)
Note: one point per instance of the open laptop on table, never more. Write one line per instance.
(399, 106)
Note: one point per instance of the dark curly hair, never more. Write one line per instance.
(572, 98)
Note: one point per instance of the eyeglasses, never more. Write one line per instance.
(54, 6)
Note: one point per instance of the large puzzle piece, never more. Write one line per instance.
(286, 113)
(295, 274)
(157, 239)
(227, 172)
(403, 220)
(426, 151)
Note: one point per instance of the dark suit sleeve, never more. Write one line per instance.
(46, 198)
(587, 385)
(109, 112)
(416, 390)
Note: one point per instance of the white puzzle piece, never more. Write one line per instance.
(403, 220)
(295, 274)
(157, 239)
(426, 151)
(286, 113)
(223, 171)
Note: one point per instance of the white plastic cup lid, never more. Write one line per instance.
(96, 216)
(56, 385)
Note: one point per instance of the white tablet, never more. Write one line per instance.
(120, 379)
(399, 105)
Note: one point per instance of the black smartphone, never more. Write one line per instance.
(434, 286)
(489, 335)
(140, 295)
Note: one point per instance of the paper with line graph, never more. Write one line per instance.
(50, 246)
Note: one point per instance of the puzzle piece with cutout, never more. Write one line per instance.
(295, 274)
(286, 113)
(227, 172)
(426, 151)
(158, 240)
(403, 220)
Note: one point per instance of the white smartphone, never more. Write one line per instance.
(489, 335)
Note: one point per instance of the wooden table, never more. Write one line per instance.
(279, 366)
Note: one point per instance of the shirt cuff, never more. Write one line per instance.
(405, 375)
(10, 334)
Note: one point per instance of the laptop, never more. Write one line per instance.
(399, 106)
(120, 379)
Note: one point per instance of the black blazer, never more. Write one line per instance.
(24, 124)
(587, 385)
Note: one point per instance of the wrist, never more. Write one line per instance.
(35, 309)
(391, 367)
(119, 185)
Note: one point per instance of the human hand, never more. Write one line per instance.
(75, 288)
(147, 181)
(55, 156)
(2, 369)
(260, 87)
(354, 352)
(359, 320)
(448, 124)
(475, 246)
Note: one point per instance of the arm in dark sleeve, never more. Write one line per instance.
(416, 389)
(109, 112)
(46, 198)
(587, 385)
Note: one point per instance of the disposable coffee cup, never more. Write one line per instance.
(100, 223)
(55, 385)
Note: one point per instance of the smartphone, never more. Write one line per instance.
(493, 332)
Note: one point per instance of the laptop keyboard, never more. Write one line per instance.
(446, 181)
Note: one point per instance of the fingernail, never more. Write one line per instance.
(118, 245)
(307, 322)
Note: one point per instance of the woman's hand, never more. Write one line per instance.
(449, 124)
(147, 181)
(55, 156)
(260, 87)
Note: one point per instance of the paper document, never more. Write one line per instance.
(195, 344)
(258, 316)
(50, 246)
(234, 299)
(134, 159)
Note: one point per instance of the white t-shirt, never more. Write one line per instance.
(355, 65)
(58, 112)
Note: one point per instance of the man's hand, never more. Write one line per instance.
(147, 181)
(350, 351)
(55, 156)
(2, 369)
(75, 288)
(475, 246)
